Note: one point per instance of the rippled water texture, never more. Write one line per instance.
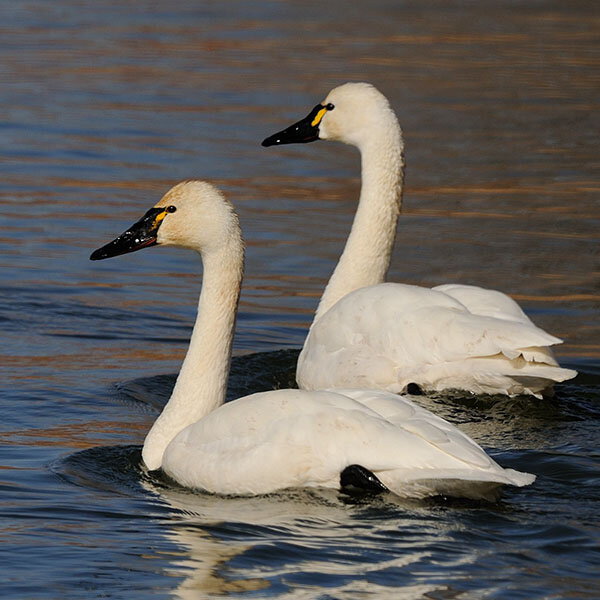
(104, 105)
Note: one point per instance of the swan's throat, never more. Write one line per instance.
(202, 381)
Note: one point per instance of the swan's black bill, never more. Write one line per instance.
(306, 130)
(140, 235)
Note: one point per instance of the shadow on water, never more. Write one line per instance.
(250, 373)
(576, 400)
(573, 401)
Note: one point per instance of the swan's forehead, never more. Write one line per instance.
(188, 193)
(351, 92)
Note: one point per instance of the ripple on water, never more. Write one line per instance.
(309, 539)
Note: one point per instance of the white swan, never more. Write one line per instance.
(284, 438)
(367, 333)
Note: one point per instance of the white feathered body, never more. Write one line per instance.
(449, 337)
(293, 438)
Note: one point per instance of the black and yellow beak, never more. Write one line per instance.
(140, 235)
(306, 130)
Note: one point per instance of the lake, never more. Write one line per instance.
(105, 105)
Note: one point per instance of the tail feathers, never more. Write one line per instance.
(534, 379)
(486, 375)
(525, 369)
(484, 485)
(533, 369)
(519, 478)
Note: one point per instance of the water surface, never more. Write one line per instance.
(105, 105)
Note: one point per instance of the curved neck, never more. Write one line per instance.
(366, 257)
(202, 380)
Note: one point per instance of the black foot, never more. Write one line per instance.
(414, 389)
(358, 478)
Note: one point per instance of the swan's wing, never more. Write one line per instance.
(389, 335)
(404, 413)
(291, 438)
(491, 303)
(484, 302)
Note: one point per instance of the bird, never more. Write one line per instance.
(365, 440)
(398, 337)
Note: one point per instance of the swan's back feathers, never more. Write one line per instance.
(291, 438)
(488, 303)
(391, 334)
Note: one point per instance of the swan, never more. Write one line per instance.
(367, 333)
(284, 438)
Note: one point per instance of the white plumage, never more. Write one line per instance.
(293, 438)
(372, 334)
(285, 438)
(390, 335)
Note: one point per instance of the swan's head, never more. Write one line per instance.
(352, 113)
(192, 214)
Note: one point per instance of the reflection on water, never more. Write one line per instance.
(105, 105)
(297, 541)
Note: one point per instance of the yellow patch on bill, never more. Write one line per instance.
(159, 217)
(318, 118)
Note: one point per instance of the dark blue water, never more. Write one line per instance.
(104, 105)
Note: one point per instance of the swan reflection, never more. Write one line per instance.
(297, 542)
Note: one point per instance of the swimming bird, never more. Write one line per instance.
(367, 333)
(283, 438)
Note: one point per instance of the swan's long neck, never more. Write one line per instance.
(367, 253)
(202, 380)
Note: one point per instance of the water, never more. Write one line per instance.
(104, 105)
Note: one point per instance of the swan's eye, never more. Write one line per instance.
(171, 209)
(330, 106)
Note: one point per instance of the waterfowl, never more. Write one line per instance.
(392, 336)
(285, 438)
